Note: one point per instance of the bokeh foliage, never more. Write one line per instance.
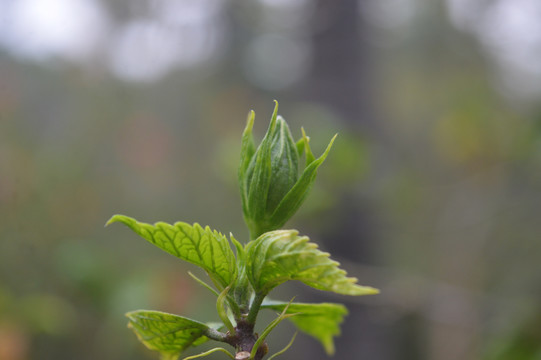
(437, 179)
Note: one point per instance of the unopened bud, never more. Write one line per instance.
(271, 187)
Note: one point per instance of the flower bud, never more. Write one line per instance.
(271, 187)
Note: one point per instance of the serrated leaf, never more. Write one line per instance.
(322, 321)
(281, 255)
(167, 333)
(200, 246)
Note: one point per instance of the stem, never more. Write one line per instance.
(260, 340)
(244, 341)
(216, 335)
(210, 352)
(254, 309)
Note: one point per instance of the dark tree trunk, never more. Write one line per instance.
(341, 80)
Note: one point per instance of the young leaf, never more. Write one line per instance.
(281, 255)
(169, 334)
(321, 321)
(200, 246)
(241, 291)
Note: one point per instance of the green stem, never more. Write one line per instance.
(267, 331)
(254, 309)
(210, 352)
(216, 335)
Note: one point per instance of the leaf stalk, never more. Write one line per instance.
(254, 308)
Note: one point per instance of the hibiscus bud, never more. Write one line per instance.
(271, 187)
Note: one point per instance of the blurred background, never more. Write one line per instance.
(431, 193)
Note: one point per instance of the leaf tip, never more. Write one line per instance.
(274, 116)
(367, 290)
(113, 219)
(374, 291)
(323, 156)
(330, 144)
(131, 314)
(250, 121)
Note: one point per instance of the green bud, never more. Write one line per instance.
(271, 187)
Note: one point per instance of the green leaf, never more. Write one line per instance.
(322, 321)
(167, 333)
(200, 246)
(281, 255)
(241, 291)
